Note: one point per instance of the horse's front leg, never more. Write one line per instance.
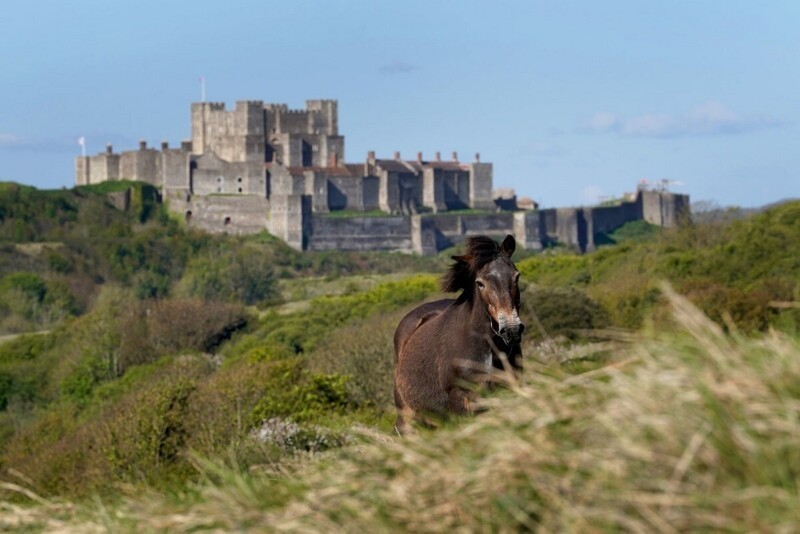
(461, 401)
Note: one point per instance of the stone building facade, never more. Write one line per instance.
(264, 166)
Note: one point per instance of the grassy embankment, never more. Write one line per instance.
(138, 394)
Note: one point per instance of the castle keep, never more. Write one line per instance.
(267, 167)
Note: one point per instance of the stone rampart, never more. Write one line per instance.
(360, 233)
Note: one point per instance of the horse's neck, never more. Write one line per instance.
(477, 322)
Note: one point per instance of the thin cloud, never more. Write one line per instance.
(10, 140)
(709, 118)
(397, 66)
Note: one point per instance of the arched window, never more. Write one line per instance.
(227, 221)
(189, 216)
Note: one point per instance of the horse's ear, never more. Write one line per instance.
(459, 259)
(509, 245)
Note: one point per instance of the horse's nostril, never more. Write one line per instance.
(503, 330)
(521, 328)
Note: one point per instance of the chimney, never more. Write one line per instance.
(142, 144)
(109, 149)
(335, 159)
(371, 156)
(397, 155)
(438, 156)
(477, 157)
(419, 157)
(455, 156)
(164, 145)
(186, 145)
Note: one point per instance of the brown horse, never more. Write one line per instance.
(444, 348)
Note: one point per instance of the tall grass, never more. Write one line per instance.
(692, 429)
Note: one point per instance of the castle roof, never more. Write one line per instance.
(393, 165)
(342, 171)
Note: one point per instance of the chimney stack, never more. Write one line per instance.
(335, 159)
(438, 156)
(419, 157)
(142, 144)
(455, 156)
(109, 149)
(164, 145)
(477, 157)
(397, 155)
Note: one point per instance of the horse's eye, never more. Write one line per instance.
(479, 284)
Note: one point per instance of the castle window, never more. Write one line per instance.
(227, 221)
(240, 189)
(239, 179)
(188, 216)
(219, 179)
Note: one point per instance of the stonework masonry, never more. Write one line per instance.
(264, 166)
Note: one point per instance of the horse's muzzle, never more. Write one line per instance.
(512, 333)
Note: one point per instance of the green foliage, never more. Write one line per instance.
(302, 396)
(301, 331)
(734, 268)
(364, 353)
(567, 312)
(635, 231)
(243, 275)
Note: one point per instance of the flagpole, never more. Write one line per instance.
(202, 88)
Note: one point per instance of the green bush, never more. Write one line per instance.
(300, 395)
(364, 353)
(553, 312)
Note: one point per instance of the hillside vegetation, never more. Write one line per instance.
(181, 385)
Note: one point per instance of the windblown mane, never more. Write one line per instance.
(461, 275)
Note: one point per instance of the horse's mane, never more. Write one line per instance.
(461, 275)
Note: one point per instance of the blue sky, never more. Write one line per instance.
(571, 101)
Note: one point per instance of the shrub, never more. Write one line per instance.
(565, 312)
(364, 353)
(293, 392)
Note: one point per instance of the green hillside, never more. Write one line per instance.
(181, 381)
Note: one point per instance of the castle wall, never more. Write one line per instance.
(663, 208)
(452, 229)
(345, 192)
(82, 172)
(325, 116)
(433, 190)
(175, 169)
(290, 219)
(388, 191)
(370, 193)
(103, 167)
(360, 233)
(529, 229)
(143, 165)
(218, 214)
(480, 186)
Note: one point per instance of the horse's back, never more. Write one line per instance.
(414, 319)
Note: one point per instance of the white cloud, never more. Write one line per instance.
(604, 122)
(709, 118)
(9, 140)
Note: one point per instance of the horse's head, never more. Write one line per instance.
(488, 277)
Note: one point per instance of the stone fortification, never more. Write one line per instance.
(263, 166)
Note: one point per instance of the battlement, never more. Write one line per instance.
(244, 104)
(212, 106)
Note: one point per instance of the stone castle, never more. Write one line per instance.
(267, 167)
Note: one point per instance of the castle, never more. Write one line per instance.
(267, 167)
